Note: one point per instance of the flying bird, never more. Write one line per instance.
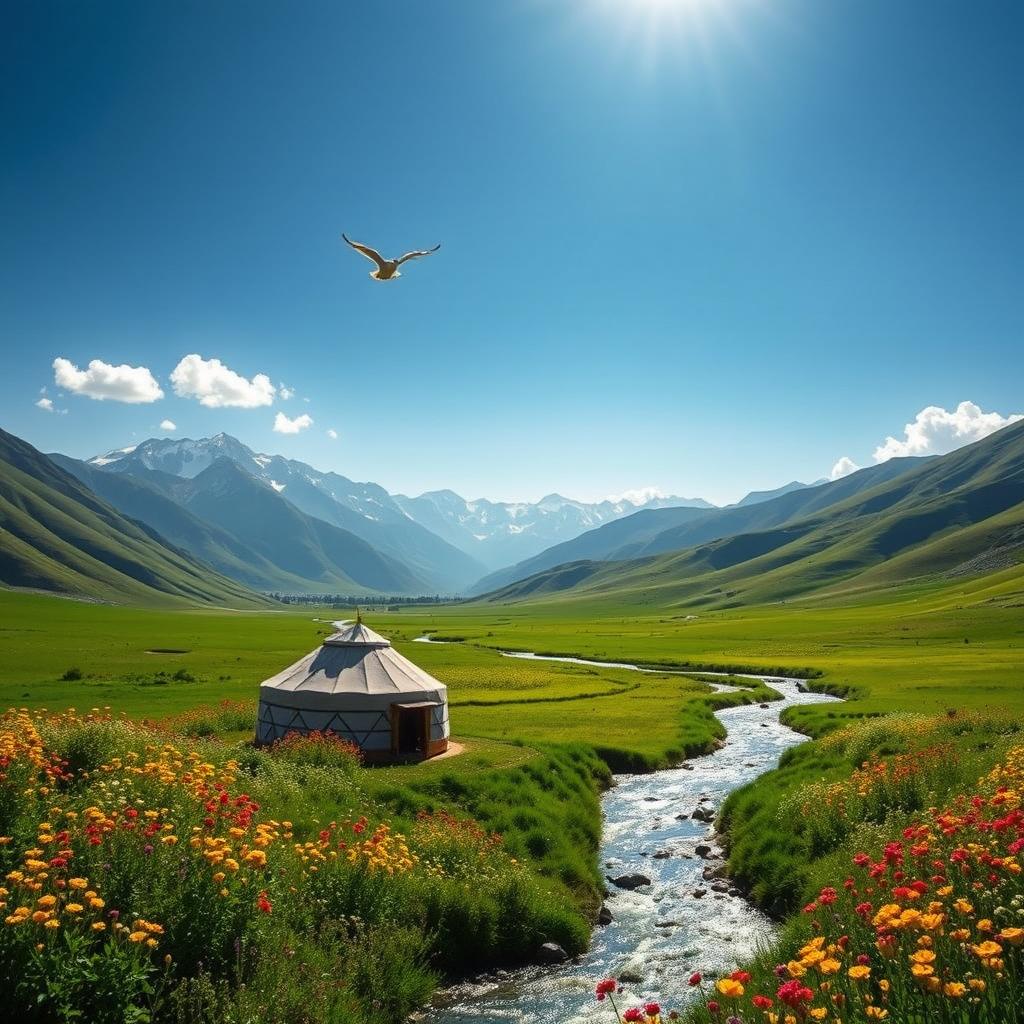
(387, 270)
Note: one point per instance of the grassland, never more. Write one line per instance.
(927, 648)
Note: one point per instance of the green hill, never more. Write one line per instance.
(653, 531)
(962, 513)
(57, 536)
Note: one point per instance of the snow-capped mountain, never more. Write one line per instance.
(491, 533)
(500, 533)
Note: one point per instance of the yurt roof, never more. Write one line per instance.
(355, 668)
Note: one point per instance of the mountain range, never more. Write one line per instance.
(956, 514)
(211, 521)
(447, 542)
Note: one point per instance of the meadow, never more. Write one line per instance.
(540, 738)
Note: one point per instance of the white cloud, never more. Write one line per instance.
(132, 384)
(215, 385)
(285, 392)
(638, 496)
(45, 403)
(844, 467)
(936, 431)
(283, 425)
(168, 425)
(332, 434)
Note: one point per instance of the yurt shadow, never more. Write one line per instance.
(359, 688)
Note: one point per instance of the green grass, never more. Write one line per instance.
(889, 650)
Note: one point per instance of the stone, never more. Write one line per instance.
(666, 924)
(552, 953)
(719, 887)
(628, 976)
(699, 894)
(604, 916)
(662, 855)
(705, 814)
(687, 767)
(682, 817)
(632, 880)
(703, 850)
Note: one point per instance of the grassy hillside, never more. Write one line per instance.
(58, 536)
(655, 531)
(962, 513)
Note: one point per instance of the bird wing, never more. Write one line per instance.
(416, 254)
(370, 254)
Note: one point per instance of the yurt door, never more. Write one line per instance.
(410, 728)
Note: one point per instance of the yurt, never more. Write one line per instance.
(361, 689)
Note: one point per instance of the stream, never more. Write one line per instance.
(663, 932)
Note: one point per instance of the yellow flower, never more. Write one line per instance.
(730, 988)
(954, 989)
(923, 956)
(98, 926)
(47, 901)
(52, 923)
(137, 937)
(78, 883)
(1014, 936)
(987, 949)
(829, 966)
(859, 972)
(977, 985)
(920, 971)
(963, 906)
(819, 1013)
(796, 969)
(876, 1012)
(219, 876)
(74, 908)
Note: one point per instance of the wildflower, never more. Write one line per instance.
(763, 1002)
(632, 1015)
(652, 1009)
(695, 979)
(605, 987)
(264, 903)
(954, 989)
(729, 987)
(859, 972)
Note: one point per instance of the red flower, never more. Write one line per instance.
(827, 895)
(792, 993)
(633, 1015)
(695, 979)
(605, 987)
(741, 976)
(652, 1009)
(712, 1006)
(763, 1002)
(264, 903)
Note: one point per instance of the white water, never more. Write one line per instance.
(662, 932)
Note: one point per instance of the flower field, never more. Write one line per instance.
(926, 925)
(148, 879)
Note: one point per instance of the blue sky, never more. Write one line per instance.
(701, 245)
